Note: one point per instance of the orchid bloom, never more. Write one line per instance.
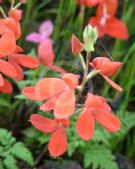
(10, 32)
(107, 69)
(45, 31)
(7, 36)
(45, 49)
(96, 109)
(106, 21)
(17, 60)
(57, 128)
(89, 3)
(59, 93)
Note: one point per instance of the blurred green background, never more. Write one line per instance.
(104, 151)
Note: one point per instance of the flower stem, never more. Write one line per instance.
(2, 12)
(82, 61)
(40, 156)
(17, 6)
(84, 77)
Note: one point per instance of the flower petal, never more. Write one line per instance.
(76, 45)
(46, 53)
(7, 69)
(46, 28)
(71, 80)
(26, 61)
(34, 37)
(110, 68)
(18, 69)
(16, 14)
(1, 80)
(29, 92)
(110, 6)
(107, 119)
(58, 142)
(95, 22)
(89, 3)
(117, 29)
(85, 125)
(13, 25)
(42, 123)
(57, 69)
(7, 43)
(65, 105)
(113, 84)
(49, 87)
(49, 105)
(6, 88)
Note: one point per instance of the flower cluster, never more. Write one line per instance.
(45, 50)
(11, 57)
(62, 95)
(105, 19)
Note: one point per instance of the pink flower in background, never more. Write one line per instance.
(46, 52)
(45, 31)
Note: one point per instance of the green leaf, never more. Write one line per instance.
(10, 162)
(99, 156)
(4, 103)
(20, 151)
(1, 165)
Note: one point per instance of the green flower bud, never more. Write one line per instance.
(90, 36)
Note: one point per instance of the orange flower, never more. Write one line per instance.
(76, 45)
(59, 94)
(57, 128)
(7, 41)
(16, 14)
(96, 108)
(14, 25)
(89, 3)
(18, 60)
(107, 69)
(106, 21)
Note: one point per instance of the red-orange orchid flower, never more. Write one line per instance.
(57, 128)
(13, 25)
(16, 14)
(89, 3)
(96, 108)
(10, 31)
(106, 21)
(7, 41)
(107, 69)
(17, 60)
(59, 94)
(76, 45)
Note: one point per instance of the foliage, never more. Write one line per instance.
(11, 150)
(100, 151)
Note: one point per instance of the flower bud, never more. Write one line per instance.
(90, 36)
(23, 1)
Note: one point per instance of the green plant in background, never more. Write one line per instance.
(101, 151)
(11, 150)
